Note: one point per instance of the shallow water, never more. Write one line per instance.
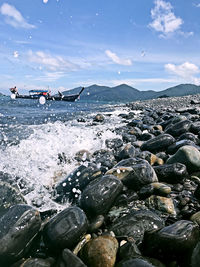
(32, 136)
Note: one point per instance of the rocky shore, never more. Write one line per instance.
(135, 203)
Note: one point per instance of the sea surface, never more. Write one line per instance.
(33, 135)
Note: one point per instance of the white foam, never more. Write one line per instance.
(35, 159)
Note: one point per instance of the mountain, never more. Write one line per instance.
(126, 93)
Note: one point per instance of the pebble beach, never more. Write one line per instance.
(135, 202)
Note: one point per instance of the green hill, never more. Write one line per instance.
(126, 93)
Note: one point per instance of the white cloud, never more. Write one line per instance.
(187, 71)
(117, 60)
(197, 5)
(164, 20)
(14, 17)
(45, 1)
(50, 76)
(53, 63)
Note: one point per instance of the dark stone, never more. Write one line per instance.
(179, 128)
(188, 155)
(71, 187)
(195, 127)
(195, 259)
(99, 196)
(69, 259)
(96, 223)
(129, 250)
(65, 229)
(173, 241)
(141, 174)
(127, 152)
(104, 158)
(18, 226)
(159, 143)
(37, 262)
(136, 262)
(146, 136)
(174, 147)
(171, 173)
(188, 136)
(128, 138)
(136, 224)
(9, 196)
(114, 143)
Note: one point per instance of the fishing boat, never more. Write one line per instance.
(44, 95)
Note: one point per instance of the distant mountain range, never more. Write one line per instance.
(126, 93)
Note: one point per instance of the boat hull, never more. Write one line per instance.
(69, 98)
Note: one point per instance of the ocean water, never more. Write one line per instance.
(32, 136)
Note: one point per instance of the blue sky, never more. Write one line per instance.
(63, 44)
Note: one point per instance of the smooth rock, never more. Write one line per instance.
(136, 223)
(174, 147)
(100, 251)
(173, 241)
(114, 143)
(142, 173)
(99, 196)
(179, 128)
(196, 217)
(158, 143)
(69, 259)
(37, 262)
(127, 152)
(18, 226)
(159, 189)
(188, 155)
(129, 250)
(75, 182)
(163, 204)
(65, 229)
(136, 262)
(195, 258)
(9, 196)
(171, 173)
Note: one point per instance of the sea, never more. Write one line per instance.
(33, 135)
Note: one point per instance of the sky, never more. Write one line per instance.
(63, 44)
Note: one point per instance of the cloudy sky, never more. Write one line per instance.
(69, 43)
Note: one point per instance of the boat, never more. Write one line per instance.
(44, 94)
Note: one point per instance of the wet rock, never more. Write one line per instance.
(196, 218)
(96, 223)
(100, 251)
(9, 196)
(151, 158)
(83, 155)
(158, 143)
(179, 128)
(99, 196)
(188, 136)
(136, 262)
(71, 187)
(140, 174)
(127, 152)
(174, 147)
(154, 189)
(129, 250)
(128, 138)
(136, 223)
(172, 242)
(104, 158)
(18, 226)
(188, 155)
(195, 127)
(98, 118)
(114, 143)
(195, 258)
(37, 262)
(69, 259)
(84, 240)
(162, 204)
(65, 229)
(171, 173)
